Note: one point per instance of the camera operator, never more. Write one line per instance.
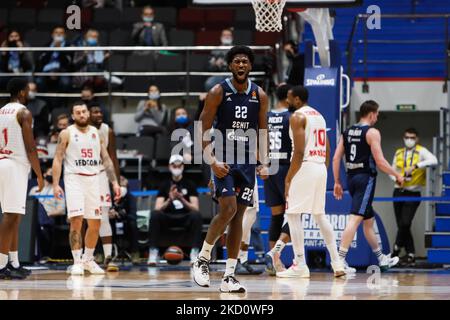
(176, 206)
(125, 210)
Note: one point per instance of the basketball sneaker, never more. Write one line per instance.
(76, 269)
(273, 263)
(200, 270)
(246, 268)
(232, 285)
(387, 262)
(347, 268)
(92, 267)
(338, 268)
(11, 274)
(110, 265)
(295, 271)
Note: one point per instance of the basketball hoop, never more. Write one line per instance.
(268, 14)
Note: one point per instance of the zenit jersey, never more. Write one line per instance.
(280, 145)
(83, 152)
(358, 155)
(237, 121)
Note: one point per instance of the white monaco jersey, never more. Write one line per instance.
(83, 152)
(104, 135)
(315, 135)
(12, 145)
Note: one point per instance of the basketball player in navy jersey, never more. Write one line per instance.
(361, 146)
(280, 148)
(239, 107)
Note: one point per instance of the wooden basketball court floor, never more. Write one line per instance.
(169, 283)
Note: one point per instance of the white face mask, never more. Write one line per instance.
(409, 143)
(226, 41)
(123, 191)
(176, 172)
(31, 95)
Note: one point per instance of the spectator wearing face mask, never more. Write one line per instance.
(14, 61)
(39, 110)
(176, 206)
(49, 209)
(92, 61)
(147, 32)
(55, 61)
(182, 121)
(218, 61)
(411, 161)
(151, 113)
(295, 71)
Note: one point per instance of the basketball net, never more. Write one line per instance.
(268, 14)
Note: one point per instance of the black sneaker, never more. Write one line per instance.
(11, 274)
(410, 260)
(20, 269)
(246, 268)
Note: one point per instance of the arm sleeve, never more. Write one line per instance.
(426, 159)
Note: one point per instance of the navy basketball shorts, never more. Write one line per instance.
(274, 187)
(362, 189)
(239, 182)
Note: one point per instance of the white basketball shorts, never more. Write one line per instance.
(13, 186)
(307, 192)
(82, 196)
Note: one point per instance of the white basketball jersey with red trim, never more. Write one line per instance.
(12, 145)
(315, 135)
(104, 135)
(83, 152)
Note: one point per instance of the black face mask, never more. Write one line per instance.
(12, 43)
(49, 179)
(290, 55)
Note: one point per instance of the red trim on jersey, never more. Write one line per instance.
(86, 175)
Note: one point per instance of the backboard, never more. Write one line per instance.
(289, 3)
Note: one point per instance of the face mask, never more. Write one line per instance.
(123, 191)
(181, 119)
(226, 41)
(91, 41)
(49, 179)
(58, 38)
(31, 95)
(409, 143)
(12, 43)
(289, 54)
(153, 96)
(176, 172)
(148, 19)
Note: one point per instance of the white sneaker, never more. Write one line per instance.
(387, 262)
(273, 263)
(231, 285)
(92, 267)
(76, 269)
(347, 268)
(295, 271)
(200, 269)
(193, 255)
(338, 268)
(153, 257)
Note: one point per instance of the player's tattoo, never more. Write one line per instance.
(75, 239)
(109, 166)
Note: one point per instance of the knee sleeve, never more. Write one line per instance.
(105, 225)
(276, 224)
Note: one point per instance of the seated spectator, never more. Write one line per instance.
(218, 61)
(147, 32)
(88, 97)
(176, 206)
(55, 61)
(40, 111)
(126, 210)
(62, 122)
(181, 121)
(49, 209)
(14, 61)
(92, 61)
(151, 113)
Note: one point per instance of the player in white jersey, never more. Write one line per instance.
(306, 182)
(83, 151)
(17, 153)
(108, 137)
